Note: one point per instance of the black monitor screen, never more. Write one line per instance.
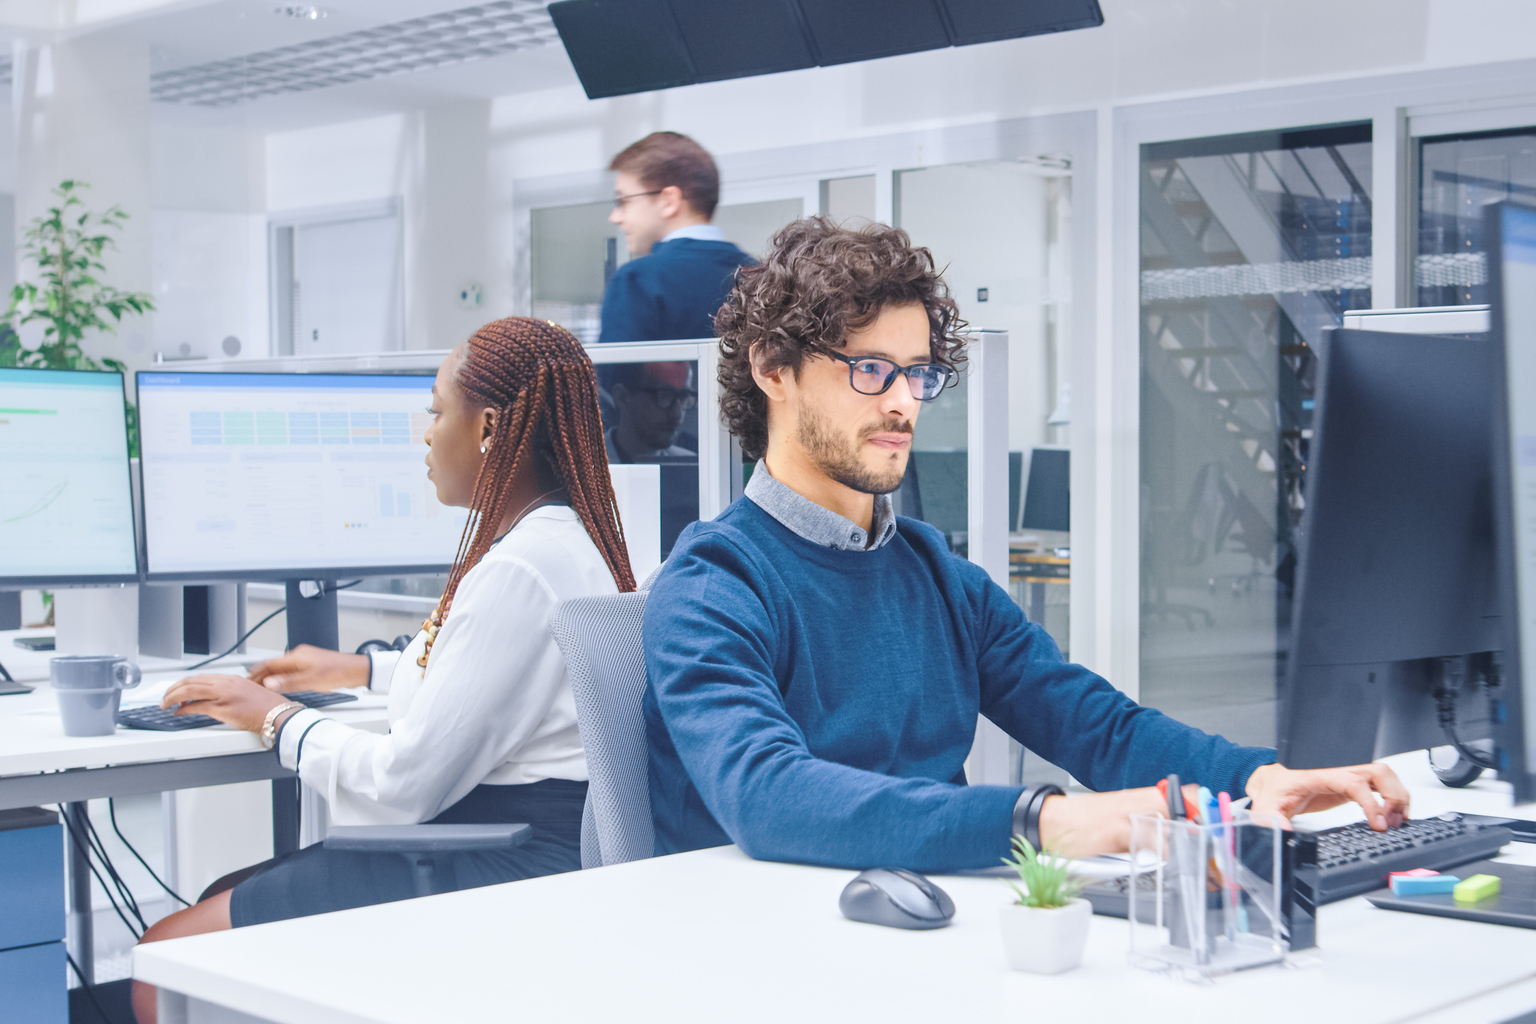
(1512, 252)
(1396, 545)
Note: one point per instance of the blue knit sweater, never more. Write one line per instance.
(817, 705)
(672, 293)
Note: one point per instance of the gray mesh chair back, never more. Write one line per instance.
(600, 638)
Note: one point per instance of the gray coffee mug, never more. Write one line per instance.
(89, 687)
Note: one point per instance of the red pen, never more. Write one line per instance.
(1189, 805)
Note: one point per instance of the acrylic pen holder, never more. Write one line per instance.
(1207, 898)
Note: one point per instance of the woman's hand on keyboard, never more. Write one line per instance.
(312, 668)
(1277, 790)
(231, 699)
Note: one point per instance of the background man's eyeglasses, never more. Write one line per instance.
(619, 201)
(871, 375)
(665, 398)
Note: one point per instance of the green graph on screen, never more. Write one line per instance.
(47, 498)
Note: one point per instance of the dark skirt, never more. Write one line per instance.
(317, 881)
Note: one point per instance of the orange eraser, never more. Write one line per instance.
(1415, 873)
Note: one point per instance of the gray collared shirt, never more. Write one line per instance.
(818, 525)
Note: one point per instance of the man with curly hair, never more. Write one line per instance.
(817, 665)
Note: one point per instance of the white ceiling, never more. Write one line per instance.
(188, 34)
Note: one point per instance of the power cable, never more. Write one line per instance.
(80, 846)
(112, 815)
(236, 645)
(247, 635)
(117, 880)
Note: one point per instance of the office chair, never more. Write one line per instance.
(421, 845)
(600, 638)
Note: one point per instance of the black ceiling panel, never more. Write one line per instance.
(849, 30)
(737, 38)
(620, 47)
(983, 21)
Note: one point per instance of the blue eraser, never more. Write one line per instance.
(1434, 884)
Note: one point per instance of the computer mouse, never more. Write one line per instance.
(896, 898)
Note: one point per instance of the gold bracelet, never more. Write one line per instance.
(268, 736)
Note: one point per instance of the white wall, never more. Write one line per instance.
(81, 111)
(209, 237)
(1158, 69)
(437, 161)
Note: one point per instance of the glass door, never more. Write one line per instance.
(1251, 246)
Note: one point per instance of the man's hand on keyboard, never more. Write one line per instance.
(1277, 790)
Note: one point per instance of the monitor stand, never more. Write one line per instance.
(311, 614)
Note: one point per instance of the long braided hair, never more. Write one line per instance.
(536, 373)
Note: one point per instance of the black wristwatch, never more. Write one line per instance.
(1026, 813)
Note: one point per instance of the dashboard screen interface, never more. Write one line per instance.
(272, 475)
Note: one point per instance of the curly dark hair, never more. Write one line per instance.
(818, 282)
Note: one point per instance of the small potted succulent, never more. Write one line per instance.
(1046, 927)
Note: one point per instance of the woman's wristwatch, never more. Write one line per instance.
(269, 724)
(1026, 813)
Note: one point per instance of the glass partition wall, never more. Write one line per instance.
(998, 230)
(1458, 176)
(1251, 246)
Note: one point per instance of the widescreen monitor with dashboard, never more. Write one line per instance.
(290, 476)
(66, 500)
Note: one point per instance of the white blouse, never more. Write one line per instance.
(494, 704)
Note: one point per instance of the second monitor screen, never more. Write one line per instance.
(651, 416)
(277, 474)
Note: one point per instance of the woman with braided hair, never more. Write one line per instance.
(482, 720)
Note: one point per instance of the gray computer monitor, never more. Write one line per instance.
(66, 505)
(1395, 605)
(283, 476)
(1510, 237)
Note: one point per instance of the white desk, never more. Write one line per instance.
(40, 765)
(713, 936)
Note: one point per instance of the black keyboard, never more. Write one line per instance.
(318, 699)
(162, 720)
(1337, 863)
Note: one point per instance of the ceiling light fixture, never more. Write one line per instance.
(420, 44)
(302, 12)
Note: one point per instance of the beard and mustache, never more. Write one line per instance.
(838, 458)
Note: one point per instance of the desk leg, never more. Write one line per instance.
(82, 930)
(285, 816)
(1037, 604)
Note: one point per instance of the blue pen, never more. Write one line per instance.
(1209, 813)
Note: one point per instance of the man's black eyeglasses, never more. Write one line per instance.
(872, 375)
(665, 398)
(619, 201)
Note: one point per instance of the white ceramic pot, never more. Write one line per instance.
(1044, 941)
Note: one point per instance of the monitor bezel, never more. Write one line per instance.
(1511, 730)
(283, 573)
(62, 580)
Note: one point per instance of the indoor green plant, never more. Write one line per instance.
(67, 297)
(1045, 928)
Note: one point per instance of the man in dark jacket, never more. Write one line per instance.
(664, 197)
